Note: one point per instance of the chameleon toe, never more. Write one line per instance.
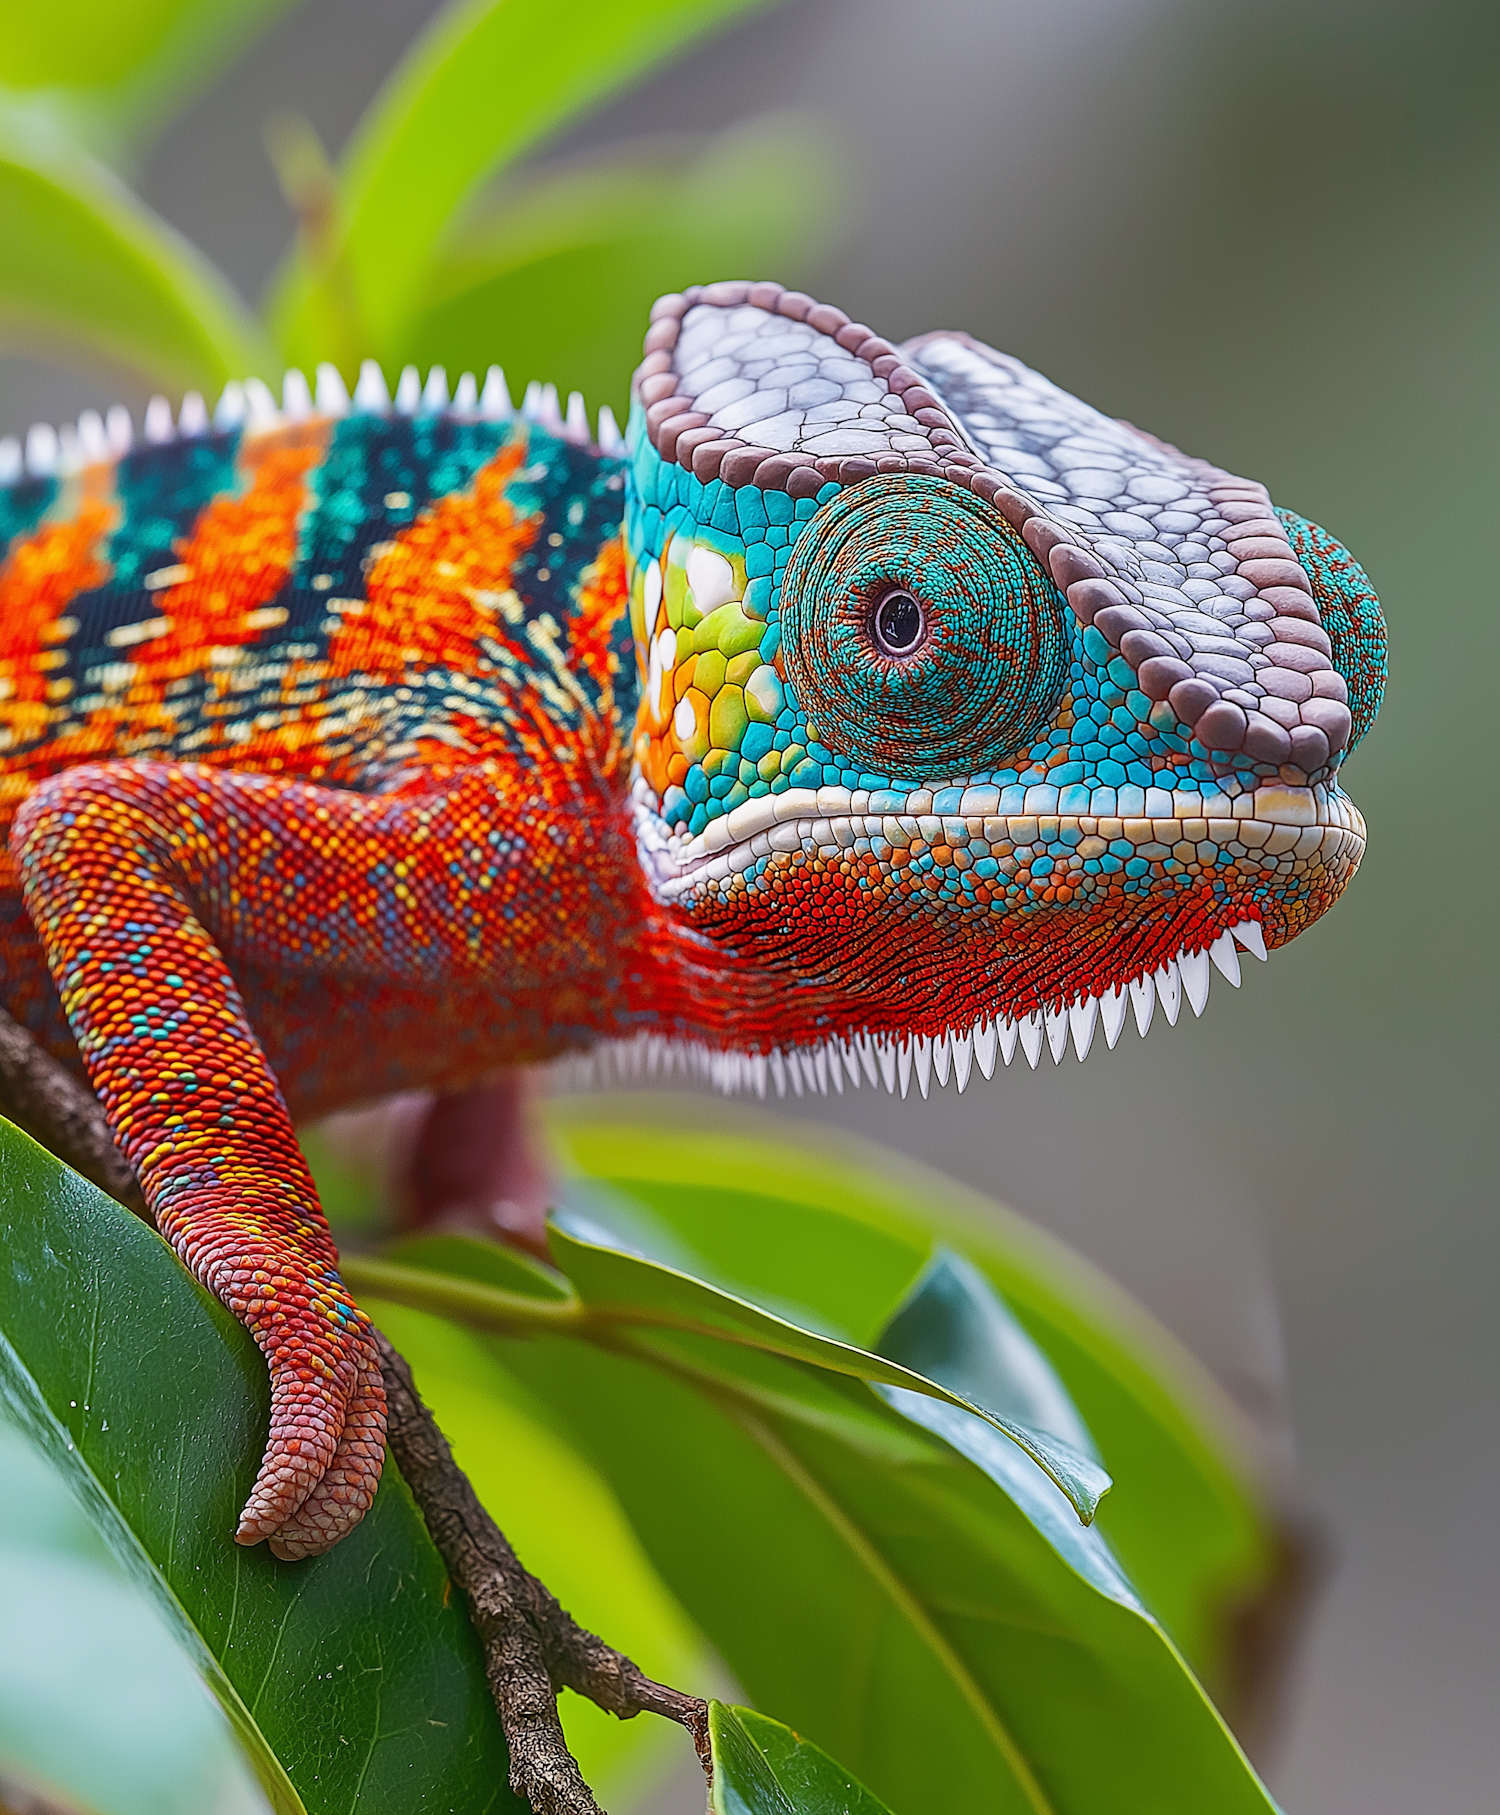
(343, 1494)
(310, 1412)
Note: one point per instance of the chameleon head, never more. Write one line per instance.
(962, 705)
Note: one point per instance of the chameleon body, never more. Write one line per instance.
(866, 712)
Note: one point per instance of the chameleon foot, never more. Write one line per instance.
(326, 1441)
(327, 1436)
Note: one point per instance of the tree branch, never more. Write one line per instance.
(532, 1647)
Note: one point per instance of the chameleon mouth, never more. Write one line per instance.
(1268, 836)
(1260, 829)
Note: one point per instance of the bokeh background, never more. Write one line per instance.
(1270, 233)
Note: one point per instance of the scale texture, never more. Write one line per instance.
(867, 714)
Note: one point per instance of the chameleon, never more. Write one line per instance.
(863, 713)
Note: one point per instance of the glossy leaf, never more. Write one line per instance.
(875, 1588)
(874, 1563)
(153, 1402)
(955, 1326)
(830, 1232)
(88, 268)
(559, 280)
(98, 1705)
(487, 81)
(608, 1278)
(763, 1768)
(627, 1300)
(114, 69)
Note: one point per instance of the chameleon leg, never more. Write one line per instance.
(194, 1106)
(475, 1164)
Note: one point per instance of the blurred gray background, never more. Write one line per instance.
(1271, 234)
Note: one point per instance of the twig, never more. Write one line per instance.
(532, 1648)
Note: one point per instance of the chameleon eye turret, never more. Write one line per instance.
(986, 632)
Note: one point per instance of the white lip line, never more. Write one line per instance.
(894, 1062)
(1279, 814)
(1278, 805)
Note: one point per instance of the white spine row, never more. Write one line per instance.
(49, 452)
(815, 1070)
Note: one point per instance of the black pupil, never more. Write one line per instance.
(898, 623)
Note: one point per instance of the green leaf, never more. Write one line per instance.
(485, 83)
(763, 1768)
(153, 1402)
(957, 1328)
(831, 1232)
(98, 1705)
(88, 268)
(111, 72)
(874, 1560)
(613, 1282)
(627, 1300)
(897, 1606)
(954, 1327)
(558, 280)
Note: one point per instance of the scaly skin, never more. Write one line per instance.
(361, 753)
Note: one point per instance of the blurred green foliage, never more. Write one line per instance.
(111, 73)
(431, 242)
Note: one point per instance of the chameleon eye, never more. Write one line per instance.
(898, 623)
(918, 631)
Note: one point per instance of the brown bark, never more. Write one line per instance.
(532, 1647)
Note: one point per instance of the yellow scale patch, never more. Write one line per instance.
(702, 678)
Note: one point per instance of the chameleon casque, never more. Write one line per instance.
(865, 711)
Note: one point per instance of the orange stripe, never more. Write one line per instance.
(41, 577)
(438, 587)
(239, 556)
(601, 600)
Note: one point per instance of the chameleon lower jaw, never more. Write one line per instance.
(1065, 922)
(817, 1069)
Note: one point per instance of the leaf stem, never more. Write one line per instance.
(482, 1307)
